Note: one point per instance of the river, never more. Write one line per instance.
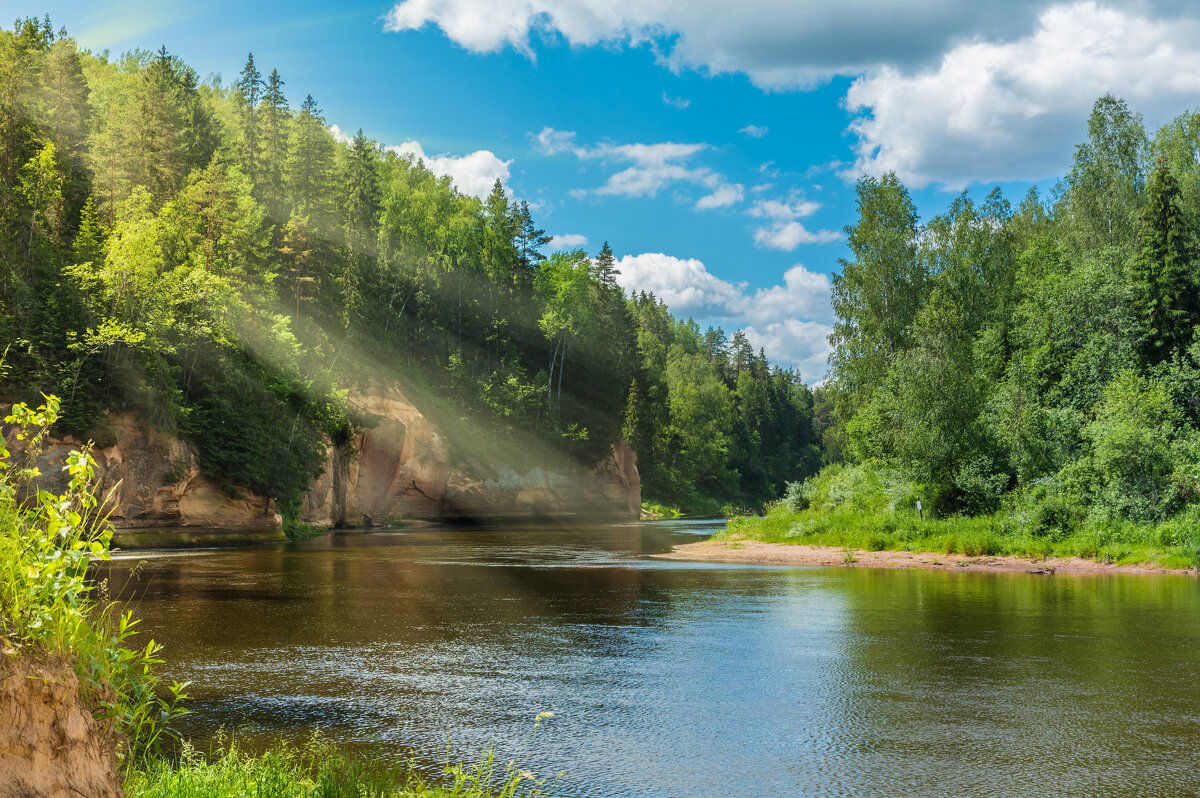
(683, 679)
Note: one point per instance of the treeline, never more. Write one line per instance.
(1041, 359)
(216, 260)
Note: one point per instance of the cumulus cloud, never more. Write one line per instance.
(340, 135)
(778, 43)
(569, 241)
(1007, 110)
(722, 197)
(945, 93)
(803, 295)
(790, 321)
(754, 131)
(685, 284)
(802, 344)
(474, 173)
(782, 229)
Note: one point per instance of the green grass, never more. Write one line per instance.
(1174, 544)
(317, 769)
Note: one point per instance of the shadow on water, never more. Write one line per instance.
(684, 679)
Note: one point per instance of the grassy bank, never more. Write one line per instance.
(862, 508)
(318, 770)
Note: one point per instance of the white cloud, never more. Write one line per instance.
(801, 344)
(569, 241)
(676, 102)
(722, 197)
(778, 43)
(783, 230)
(474, 173)
(790, 321)
(754, 131)
(786, 236)
(340, 135)
(1013, 109)
(947, 93)
(803, 295)
(685, 284)
(552, 142)
(652, 167)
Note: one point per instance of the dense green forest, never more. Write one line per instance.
(1041, 363)
(215, 259)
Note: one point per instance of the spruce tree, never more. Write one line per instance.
(275, 143)
(1164, 271)
(606, 267)
(249, 93)
(311, 165)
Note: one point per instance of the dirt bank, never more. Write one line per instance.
(752, 551)
(49, 742)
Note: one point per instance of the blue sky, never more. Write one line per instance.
(715, 145)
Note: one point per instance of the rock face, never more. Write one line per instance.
(49, 742)
(402, 468)
(399, 468)
(158, 482)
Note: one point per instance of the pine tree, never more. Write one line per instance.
(275, 143)
(249, 93)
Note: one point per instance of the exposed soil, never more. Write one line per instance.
(50, 745)
(752, 551)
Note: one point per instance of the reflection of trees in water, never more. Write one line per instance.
(1065, 679)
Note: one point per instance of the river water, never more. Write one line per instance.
(681, 679)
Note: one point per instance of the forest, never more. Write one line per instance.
(213, 258)
(1036, 367)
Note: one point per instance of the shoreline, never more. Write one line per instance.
(799, 554)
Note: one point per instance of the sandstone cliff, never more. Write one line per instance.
(402, 467)
(158, 482)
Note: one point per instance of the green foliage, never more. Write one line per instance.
(1049, 525)
(47, 602)
(219, 262)
(1041, 365)
(317, 769)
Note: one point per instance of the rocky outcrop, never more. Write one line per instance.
(49, 742)
(402, 468)
(155, 481)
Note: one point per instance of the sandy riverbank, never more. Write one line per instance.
(752, 551)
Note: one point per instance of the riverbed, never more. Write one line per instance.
(673, 678)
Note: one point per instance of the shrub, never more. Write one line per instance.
(47, 602)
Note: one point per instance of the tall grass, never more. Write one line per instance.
(318, 769)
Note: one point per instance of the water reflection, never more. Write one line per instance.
(677, 679)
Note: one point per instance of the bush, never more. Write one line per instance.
(47, 603)
(1054, 518)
